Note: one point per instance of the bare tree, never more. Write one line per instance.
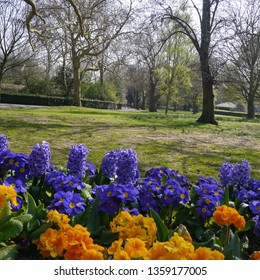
(90, 27)
(13, 41)
(147, 48)
(243, 52)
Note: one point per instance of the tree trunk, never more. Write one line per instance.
(207, 115)
(195, 106)
(77, 83)
(143, 100)
(250, 108)
(152, 97)
(167, 104)
(152, 101)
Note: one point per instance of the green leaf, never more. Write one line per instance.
(249, 225)
(5, 220)
(89, 218)
(9, 252)
(24, 218)
(5, 210)
(209, 244)
(233, 250)
(36, 234)
(31, 204)
(93, 220)
(106, 238)
(10, 230)
(33, 225)
(226, 196)
(162, 231)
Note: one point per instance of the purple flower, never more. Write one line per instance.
(133, 212)
(74, 204)
(90, 169)
(59, 201)
(107, 198)
(256, 230)
(126, 193)
(127, 167)
(206, 205)
(51, 177)
(162, 174)
(210, 195)
(121, 166)
(241, 174)
(254, 185)
(210, 189)
(18, 184)
(114, 196)
(152, 185)
(237, 176)
(73, 182)
(207, 180)
(245, 195)
(254, 206)
(68, 203)
(173, 194)
(3, 143)
(63, 182)
(175, 174)
(19, 206)
(21, 166)
(77, 160)
(17, 163)
(226, 174)
(39, 159)
(159, 174)
(205, 211)
(148, 202)
(108, 164)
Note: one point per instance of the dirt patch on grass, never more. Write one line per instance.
(206, 140)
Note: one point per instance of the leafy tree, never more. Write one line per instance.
(174, 74)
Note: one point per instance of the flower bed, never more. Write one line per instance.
(112, 212)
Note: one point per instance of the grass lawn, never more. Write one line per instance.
(175, 141)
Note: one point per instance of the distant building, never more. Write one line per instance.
(229, 106)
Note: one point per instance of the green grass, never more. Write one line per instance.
(175, 141)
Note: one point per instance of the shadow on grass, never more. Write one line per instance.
(14, 124)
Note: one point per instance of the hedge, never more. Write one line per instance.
(233, 114)
(55, 101)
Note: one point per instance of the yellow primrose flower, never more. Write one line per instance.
(255, 256)
(138, 226)
(68, 242)
(204, 253)
(59, 219)
(157, 252)
(177, 248)
(78, 253)
(2, 200)
(225, 215)
(135, 248)
(7, 193)
(47, 243)
(115, 246)
(121, 255)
